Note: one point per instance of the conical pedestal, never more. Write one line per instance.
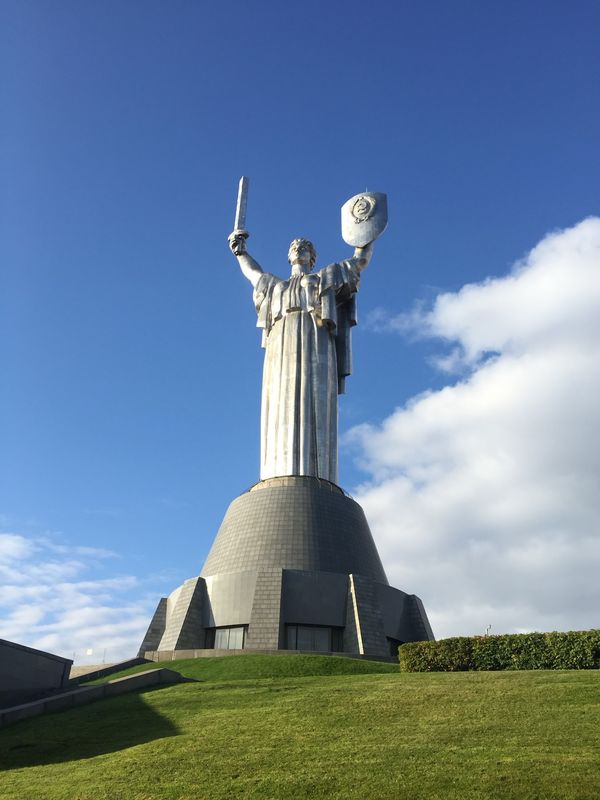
(293, 567)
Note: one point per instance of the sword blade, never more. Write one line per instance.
(242, 201)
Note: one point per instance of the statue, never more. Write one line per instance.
(306, 321)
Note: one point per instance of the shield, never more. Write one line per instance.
(364, 218)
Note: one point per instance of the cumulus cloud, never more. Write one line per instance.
(53, 598)
(13, 547)
(484, 496)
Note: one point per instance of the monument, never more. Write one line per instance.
(294, 565)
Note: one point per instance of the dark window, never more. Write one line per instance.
(314, 637)
(232, 638)
(306, 638)
(292, 637)
(337, 640)
(394, 644)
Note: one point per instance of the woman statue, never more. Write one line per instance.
(306, 323)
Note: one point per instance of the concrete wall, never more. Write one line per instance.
(314, 598)
(88, 694)
(156, 628)
(267, 600)
(184, 626)
(27, 673)
(230, 598)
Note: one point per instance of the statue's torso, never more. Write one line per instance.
(306, 321)
(298, 293)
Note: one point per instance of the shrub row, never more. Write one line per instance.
(556, 650)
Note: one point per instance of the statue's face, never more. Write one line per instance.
(300, 256)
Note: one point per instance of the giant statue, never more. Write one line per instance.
(293, 565)
(306, 321)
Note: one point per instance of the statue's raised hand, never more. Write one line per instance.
(237, 242)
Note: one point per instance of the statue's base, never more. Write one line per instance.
(293, 568)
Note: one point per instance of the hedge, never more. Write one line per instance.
(556, 650)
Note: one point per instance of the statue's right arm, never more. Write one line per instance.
(251, 269)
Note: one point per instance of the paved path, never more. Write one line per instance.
(76, 672)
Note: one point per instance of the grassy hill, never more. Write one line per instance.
(228, 668)
(239, 732)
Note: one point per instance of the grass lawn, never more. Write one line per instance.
(518, 735)
(227, 668)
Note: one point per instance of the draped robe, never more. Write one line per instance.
(306, 323)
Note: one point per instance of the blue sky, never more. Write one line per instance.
(131, 366)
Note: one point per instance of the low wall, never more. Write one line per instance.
(26, 673)
(88, 694)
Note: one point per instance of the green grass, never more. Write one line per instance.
(249, 667)
(419, 736)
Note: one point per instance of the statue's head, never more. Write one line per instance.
(302, 255)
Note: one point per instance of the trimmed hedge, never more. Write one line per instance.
(556, 650)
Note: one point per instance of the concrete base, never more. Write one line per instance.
(291, 552)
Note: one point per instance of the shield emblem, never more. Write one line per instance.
(364, 218)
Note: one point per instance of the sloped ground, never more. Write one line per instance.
(518, 735)
(224, 668)
(77, 671)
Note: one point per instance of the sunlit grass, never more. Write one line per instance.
(519, 735)
(252, 666)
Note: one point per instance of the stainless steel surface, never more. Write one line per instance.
(242, 202)
(306, 322)
(364, 218)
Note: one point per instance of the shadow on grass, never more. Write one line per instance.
(105, 726)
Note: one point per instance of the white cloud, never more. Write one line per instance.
(484, 496)
(64, 605)
(94, 552)
(14, 547)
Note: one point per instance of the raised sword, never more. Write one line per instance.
(239, 226)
